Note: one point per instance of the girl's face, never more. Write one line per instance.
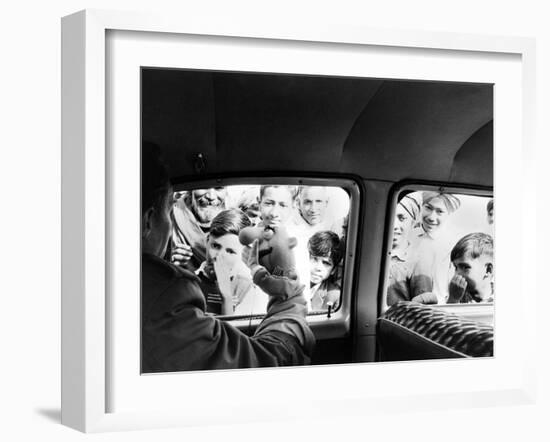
(227, 245)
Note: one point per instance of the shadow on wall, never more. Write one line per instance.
(51, 414)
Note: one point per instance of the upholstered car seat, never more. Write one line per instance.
(413, 331)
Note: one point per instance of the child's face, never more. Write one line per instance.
(320, 268)
(227, 245)
(478, 275)
(434, 214)
(276, 206)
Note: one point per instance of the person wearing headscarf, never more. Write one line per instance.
(432, 245)
(407, 281)
(436, 208)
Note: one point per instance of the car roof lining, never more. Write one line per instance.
(382, 129)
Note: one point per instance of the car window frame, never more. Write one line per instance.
(414, 186)
(324, 326)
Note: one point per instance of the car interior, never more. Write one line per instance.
(374, 140)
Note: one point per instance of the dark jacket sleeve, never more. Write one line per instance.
(286, 309)
(178, 334)
(277, 286)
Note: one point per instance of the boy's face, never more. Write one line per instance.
(401, 226)
(227, 245)
(320, 268)
(477, 273)
(276, 206)
(434, 214)
(313, 204)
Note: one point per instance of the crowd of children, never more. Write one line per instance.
(425, 267)
(301, 210)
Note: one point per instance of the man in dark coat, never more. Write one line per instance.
(177, 334)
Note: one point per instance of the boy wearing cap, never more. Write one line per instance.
(436, 208)
(407, 280)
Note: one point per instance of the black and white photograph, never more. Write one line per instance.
(275, 221)
(291, 220)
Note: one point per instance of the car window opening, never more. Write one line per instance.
(208, 226)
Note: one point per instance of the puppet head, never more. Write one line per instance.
(274, 249)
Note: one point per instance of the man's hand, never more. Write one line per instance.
(181, 254)
(457, 289)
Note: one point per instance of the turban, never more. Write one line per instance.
(411, 206)
(451, 202)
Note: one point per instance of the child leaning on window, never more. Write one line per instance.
(224, 277)
(472, 258)
(325, 252)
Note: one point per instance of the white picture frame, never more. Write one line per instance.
(85, 199)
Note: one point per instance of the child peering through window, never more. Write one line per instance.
(325, 252)
(472, 258)
(432, 245)
(408, 279)
(224, 278)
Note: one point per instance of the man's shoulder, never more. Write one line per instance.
(165, 285)
(155, 267)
